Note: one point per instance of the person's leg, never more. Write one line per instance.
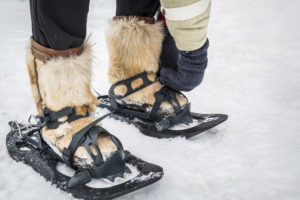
(59, 62)
(134, 42)
(183, 58)
(59, 24)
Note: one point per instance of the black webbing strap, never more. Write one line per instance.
(129, 89)
(77, 139)
(91, 139)
(50, 118)
(184, 117)
(53, 116)
(165, 94)
(114, 165)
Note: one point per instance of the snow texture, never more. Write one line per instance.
(105, 183)
(253, 75)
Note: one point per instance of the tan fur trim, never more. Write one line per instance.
(134, 46)
(66, 82)
(33, 79)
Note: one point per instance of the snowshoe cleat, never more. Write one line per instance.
(117, 175)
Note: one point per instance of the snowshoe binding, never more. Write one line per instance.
(65, 143)
(108, 178)
(149, 120)
(137, 96)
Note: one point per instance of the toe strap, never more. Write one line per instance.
(113, 167)
(79, 139)
(110, 168)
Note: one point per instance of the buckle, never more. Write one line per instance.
(39, 120)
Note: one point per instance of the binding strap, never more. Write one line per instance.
(165, 94)
(69, 152)
(50, 118)
(113, 167)
(129, 89)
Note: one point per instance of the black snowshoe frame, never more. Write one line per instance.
(152, 123)
(29, 136)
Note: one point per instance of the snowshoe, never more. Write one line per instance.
(184, 123)
(117, 175)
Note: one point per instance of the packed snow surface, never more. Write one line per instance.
(253, 76)
(103, 183)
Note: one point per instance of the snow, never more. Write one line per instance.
(105, 183)
(253, 76)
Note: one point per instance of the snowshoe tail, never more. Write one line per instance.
(199, 124)
(46, 165)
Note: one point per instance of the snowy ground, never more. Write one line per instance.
(253, 76)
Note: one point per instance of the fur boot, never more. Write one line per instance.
(134, 45)
(60, 79)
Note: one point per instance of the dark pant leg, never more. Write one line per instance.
(59, 24)
(141, 8)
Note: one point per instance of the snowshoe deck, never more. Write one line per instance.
(201, 122)
(46, 165)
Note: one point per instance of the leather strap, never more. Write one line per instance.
(148, 20)
(44, 54)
